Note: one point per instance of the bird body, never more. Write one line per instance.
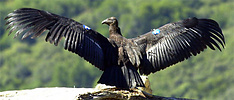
(120, 58)
(123, 70)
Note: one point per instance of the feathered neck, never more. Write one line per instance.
(114, 29)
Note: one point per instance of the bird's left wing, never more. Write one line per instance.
(79, 38)
(175, 42)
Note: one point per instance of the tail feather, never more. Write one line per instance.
(121, 77)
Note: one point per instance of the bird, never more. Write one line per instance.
(121, 59)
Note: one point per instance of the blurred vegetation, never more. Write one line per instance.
(35, 63)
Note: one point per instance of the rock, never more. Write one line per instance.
(56, 93)
(100, 92)
(63, 93)
(145, 79)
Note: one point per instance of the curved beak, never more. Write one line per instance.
(106, 21)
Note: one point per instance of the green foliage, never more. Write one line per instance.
(209, 75)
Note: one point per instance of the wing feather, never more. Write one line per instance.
(177, 42)
(40, 28)
(87, 43)
(58, 37)
(70, 41)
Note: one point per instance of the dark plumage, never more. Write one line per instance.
(117, 56)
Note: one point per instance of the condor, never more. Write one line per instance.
(120, 58)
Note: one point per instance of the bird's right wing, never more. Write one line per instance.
(79, 38)
(175, 42)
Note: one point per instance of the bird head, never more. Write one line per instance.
(110, 21)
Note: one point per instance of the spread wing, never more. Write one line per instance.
(175, 42)
(79, 38)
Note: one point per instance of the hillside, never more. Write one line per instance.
(27, 64)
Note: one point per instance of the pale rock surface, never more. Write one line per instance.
(100, 92)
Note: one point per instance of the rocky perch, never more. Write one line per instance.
(62, 93)
(101, 92)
